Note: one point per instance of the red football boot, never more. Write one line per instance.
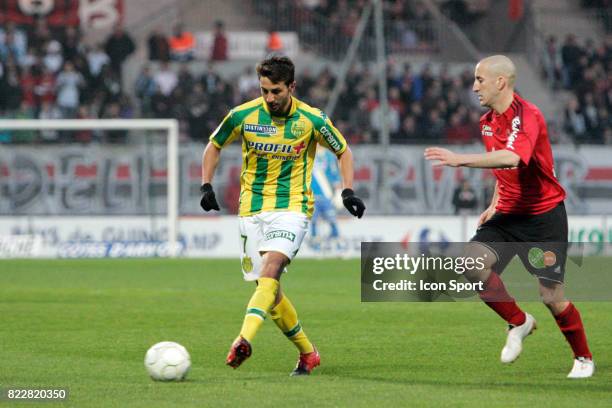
(307, 363)
(240, 351)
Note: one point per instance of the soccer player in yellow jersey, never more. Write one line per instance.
(279, 138)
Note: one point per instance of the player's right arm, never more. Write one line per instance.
(225, 133)
(210, 159)
(490, 211)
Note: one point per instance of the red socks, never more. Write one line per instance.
(570, 323)
(498, 299)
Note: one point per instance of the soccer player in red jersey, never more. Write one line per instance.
(527, 208)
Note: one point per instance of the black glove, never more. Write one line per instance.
(208, 201)
(353, 204)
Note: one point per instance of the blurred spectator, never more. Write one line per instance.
(275, 43)
(108, 87)
(570, 54)
(552, 62)
(13, 43)
(198, 108)
(145, 88)
(24, 136)
(10, 89)
(210, 78)
(28, 82)
(248, 84)
(182, 44)
(575, 123)
(113, 111)
(464, 199)
(408, 132)
(159, 48)
(48, 110)
(84, 135)
(219, 47)
(71, 44)
(40, 35)
(165, 79)
(459, 131)
(69, 83)
(96, 59)
(118, 47)
(53, 59)
(45, 89)
(185, 79)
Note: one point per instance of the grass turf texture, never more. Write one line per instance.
(86, 324)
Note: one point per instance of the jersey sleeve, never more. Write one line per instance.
(523, 136)
(227, 131)
(327, 135)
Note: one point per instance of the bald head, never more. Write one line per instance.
(500, 65)
(494, 82)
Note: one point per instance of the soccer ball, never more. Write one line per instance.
(167, 361)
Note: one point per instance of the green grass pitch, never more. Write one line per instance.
(86, 324)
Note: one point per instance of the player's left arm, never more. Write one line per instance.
(353, 204)
(489, 160)
(345, 164)
(327, 135)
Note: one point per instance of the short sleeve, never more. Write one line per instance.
(327, 135)
(226, 132)
(524, 130)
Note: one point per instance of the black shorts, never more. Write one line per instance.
(539, 240)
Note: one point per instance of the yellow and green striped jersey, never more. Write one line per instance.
(277, 154)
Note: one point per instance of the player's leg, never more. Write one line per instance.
(260, 304)
(570, 323)
(546, 259)
(285, 232)
(263, 270)
(272, 265)
(494, 292)
(285, 317)
(496, 254)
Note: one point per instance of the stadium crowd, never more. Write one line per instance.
(424, 107)
(408, 24)
(50, 73)
(585, 70)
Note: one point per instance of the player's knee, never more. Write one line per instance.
(552, 295)
(273, 264)
(481, 262)
(554, 301)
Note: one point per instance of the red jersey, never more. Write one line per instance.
(531, 187)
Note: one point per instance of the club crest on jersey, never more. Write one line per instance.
(263, 129)
(487, 131)
(298, 128)
(516, 122)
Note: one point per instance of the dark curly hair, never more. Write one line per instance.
(277, 69)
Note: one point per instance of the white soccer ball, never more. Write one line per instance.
(167, 361)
